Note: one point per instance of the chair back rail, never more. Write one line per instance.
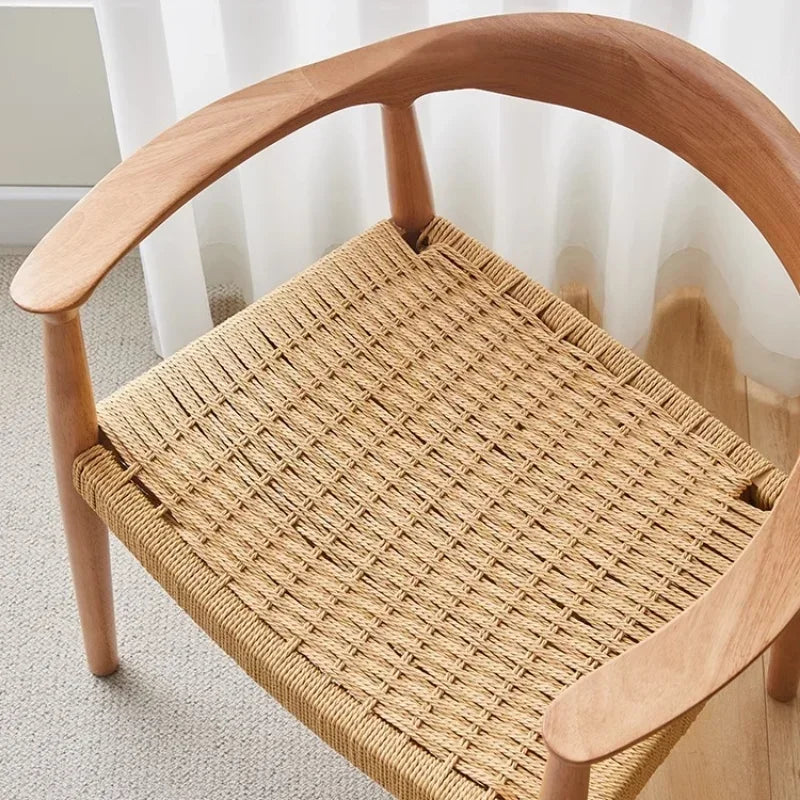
(636, 76)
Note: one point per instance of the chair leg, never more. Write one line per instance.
(783, 675)
(564, 781)
(73, 428)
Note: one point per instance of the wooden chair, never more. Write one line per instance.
(454, 527)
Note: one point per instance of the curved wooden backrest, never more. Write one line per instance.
(639, 77)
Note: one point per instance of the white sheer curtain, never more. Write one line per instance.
(529, 180)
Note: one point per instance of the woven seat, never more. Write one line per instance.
(415, 495)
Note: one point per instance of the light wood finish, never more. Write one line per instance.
(784, 663)
(639, 77)
(775, 431)
(636, 76)
(725, 754)
(578, 296)
(688, 346)
(700, 651)
(407, 177)
(778, 437)
(692, 657)
(73, 429)
(774, 424)
(564, 781)
(783, 730)
(743, 746)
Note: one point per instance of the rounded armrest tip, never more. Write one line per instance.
(21, 292)
(560, 734)
(57, 277)
(32, 291)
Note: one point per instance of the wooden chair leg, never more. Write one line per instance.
(564, 780)
(73, 428)
(783, 675)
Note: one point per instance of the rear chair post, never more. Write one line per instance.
(72, 419)
(410, 195)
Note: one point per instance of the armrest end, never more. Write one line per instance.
(692, 657)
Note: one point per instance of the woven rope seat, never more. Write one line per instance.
(415, 495)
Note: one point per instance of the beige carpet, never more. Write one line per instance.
(179, 721)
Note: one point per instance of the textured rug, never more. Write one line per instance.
(179, 720)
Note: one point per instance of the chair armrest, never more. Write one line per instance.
(639, 77)
(692, 657)
(146, 188)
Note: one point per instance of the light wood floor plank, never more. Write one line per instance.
(774, 424)
(688, 346)
(577, 295)
(724, 756)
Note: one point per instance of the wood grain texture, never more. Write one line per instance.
(783, 673)
(73, 429)
(725, 754)
(564, 781)
(637, 76)
(774, 423)
(775, 431)
(689, 347)
(743, 745)
(410, 196)
(578, 296)
(692, 657)
(783, 731)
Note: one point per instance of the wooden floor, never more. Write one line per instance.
(743, 746)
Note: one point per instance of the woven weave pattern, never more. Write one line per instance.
(443, 489)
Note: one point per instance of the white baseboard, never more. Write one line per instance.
(28, 212)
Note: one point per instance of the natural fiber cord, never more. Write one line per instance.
(417, 495)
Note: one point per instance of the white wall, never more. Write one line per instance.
(56, 127)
